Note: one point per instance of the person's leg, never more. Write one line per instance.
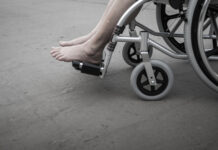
(84, 38)
(91, 50)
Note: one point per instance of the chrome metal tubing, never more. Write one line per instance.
(146, 58)
(152, 43)
(167, 34)
(166, 51)
(130, 11)
(106, 63)
(126, 39)
(162, 34)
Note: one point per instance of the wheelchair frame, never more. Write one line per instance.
(145, 34)
(143, 43)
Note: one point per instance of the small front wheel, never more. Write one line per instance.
(131, 54)
(140, 83)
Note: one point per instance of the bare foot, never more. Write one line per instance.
(80, 52)
(76, 41)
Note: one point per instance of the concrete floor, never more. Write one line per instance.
(45, 104)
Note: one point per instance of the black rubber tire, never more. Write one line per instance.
(191, 39)
(151, 93)
(130, 49)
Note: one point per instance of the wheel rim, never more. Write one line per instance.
(133, 54)
(161, 79)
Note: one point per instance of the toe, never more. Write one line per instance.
(54, 50)
(58, 56)
(66, 43)
(62, 43)
(55, 54)
(61, 58)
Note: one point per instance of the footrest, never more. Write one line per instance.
(88, 68)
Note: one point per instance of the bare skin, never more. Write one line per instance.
(78, 40)
(91, 50)
(85, 38)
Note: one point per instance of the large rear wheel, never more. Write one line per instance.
(201, 34)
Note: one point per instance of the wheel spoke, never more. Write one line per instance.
(206, 25)
(144, 75)
(214, 24)
(156, 73)
(138, 57)
(160, 81)
(145, 83)
(212, 52)
(169, 17)
(134, 53)
(175, 28)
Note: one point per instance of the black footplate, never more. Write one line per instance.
(88, 68)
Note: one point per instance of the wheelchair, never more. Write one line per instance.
(153, 79)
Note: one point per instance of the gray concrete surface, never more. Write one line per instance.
(46, 105)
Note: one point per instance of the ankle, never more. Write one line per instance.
(93, 54)
(92, 49)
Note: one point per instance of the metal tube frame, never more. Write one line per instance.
(138, 39)
(116, 38)
(165, 34)
(152, 43)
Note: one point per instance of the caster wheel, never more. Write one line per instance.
(132, 56)
(140, 84)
